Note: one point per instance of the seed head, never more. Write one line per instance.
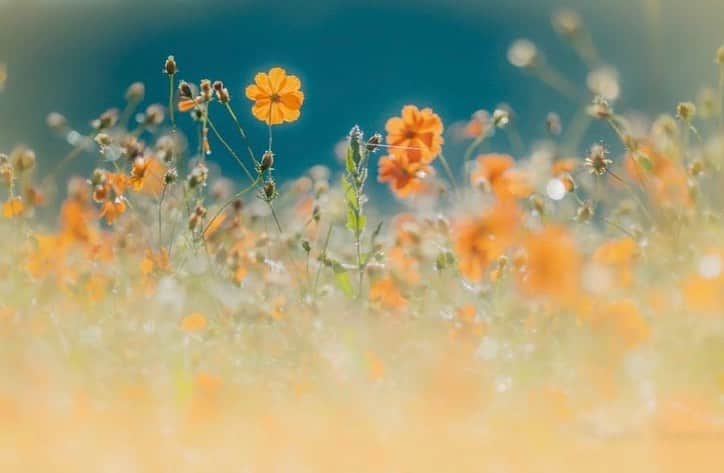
(56, 122)
(198, 176)
(501, 117)
(523, 53)
(207, 91)
(374, 142)
(270, 190)
(23, 160)
(600, 108)
(553, 124)
(184, 90)
(267, 161)
(567, 23)
(597, 161)
(170, 176)
(135, 92)
(154, 115)
(604, 82)
(222, 93)
(108, 119)
(170, 66)
(685, 111)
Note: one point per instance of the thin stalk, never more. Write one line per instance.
(171, 108)
(473, 146)
(160, 214)
(231, 201)
(230, 150)
(241, 132)
(449, 172)
(324, 252)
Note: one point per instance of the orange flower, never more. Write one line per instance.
(618, 255)
(480, 241)
(419, 130)
(404, 177)
(403, 265)
(553, 264)
(147, 175)
(496, 171)
(194, 322)
(13, 207)
(112, 209)
(386, 293)
(276, 95)
(704, 295)
(75, 216)
(666, 182)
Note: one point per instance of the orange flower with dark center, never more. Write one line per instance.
(418, 131)
(481, 240)
(405, 178)
(276, 95)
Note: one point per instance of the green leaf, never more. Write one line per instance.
(342, 280)
(355, 222)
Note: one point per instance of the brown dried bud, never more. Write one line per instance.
(374, 142)
(267, 161)
(170, 66)
(270, 189)
(206, 89)
(685, 111)
(23, 159)
(184, 90)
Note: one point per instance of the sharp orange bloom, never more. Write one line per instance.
(418, 131)
(276, 95)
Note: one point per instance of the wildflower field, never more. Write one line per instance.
(560, 309)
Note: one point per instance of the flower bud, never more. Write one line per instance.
(170, 66)
(267, 161)
(685, 111)
(270, 190)
(135, 92)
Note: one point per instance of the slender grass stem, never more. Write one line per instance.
(231, 201)
(241, 132)
(448, 171)
(230, 150)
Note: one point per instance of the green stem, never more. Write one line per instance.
(231, 201)
(229, 149)
(449, 172)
